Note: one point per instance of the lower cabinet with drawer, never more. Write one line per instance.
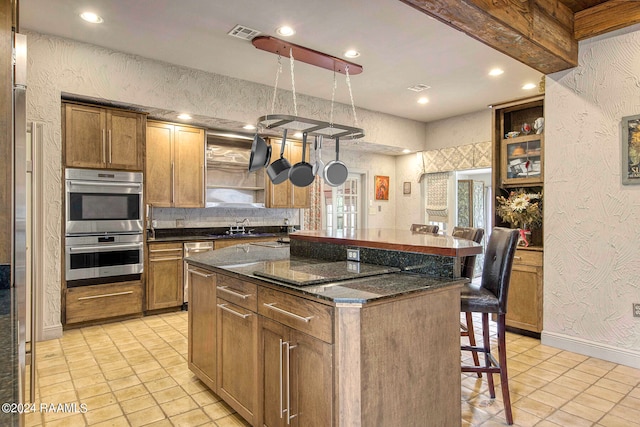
(164, 275)
(98, 302)
(524, 305)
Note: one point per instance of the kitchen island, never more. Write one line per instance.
(314, 341)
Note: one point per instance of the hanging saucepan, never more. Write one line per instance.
(318, 166)
(260, 154)
(336, 172)
(301, 174)
(278, 171)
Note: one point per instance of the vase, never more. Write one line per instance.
(525, 236)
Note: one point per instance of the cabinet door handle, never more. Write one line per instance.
(173, 181)
(235, 313)
(165, 259)
(273, 307)
(110, 148)
(281, 380)
(105, 295)
(197, 273)
(104, 147)
(517, 257)
(234, 293)
(289, 416)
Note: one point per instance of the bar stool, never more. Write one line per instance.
(468, 267)
(491, 298)
(425, 228)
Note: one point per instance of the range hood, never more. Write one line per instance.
(229, 182)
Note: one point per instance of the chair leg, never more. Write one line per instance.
(504, 379)
(472, 340)
(487, 354)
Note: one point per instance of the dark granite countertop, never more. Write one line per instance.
(215, 233)
(344, 282)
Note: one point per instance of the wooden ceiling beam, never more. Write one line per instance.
(604, 17)
(538, 33)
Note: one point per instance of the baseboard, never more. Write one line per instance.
(52, 332)
(606, 352)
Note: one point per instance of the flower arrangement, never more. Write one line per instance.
(522, 209)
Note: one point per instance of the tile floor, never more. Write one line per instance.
(134, 373)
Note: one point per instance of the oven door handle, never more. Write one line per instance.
(99, 184)
(100, 248)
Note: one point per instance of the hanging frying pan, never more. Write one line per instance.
(318, 166)
(278, 171)
(260, 154)
(336, 172)
(301, 174)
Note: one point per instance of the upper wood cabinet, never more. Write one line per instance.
(175, 165)
(285, 194)
(98, 137)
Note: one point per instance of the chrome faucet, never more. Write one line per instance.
(239, 227)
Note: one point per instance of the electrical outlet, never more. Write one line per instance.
(636, 309)
(180, 222)
(353, 254)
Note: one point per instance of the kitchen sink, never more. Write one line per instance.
(240, 235)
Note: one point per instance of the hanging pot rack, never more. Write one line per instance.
(301, 53)
(294, 122)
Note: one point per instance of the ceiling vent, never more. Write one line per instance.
(419, 87)
(244, 33)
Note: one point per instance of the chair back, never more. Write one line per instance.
(424, 228)
(498, 260)
(473, 234)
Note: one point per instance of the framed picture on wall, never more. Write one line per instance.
(381, 185)
(631, 150)
(406, 188)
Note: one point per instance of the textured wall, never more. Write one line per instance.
(592, 225)
(461, 130)
(59, 65)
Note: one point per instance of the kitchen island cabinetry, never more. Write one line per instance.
(323, 355)
(175, 166)
(202, 325)
(285, 194)
(104, 138)
(164, 275)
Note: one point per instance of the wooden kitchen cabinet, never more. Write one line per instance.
(524, 305)
(99, 302)
(98, 137)
(175, 165)
(285, 194)
(202, 325)
(164, 275)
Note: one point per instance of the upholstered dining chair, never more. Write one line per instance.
(425, 228)
(490, 297)
(468, 268)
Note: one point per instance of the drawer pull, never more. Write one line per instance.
(165, 250)
(115, 294)
(165, 259)
(227, 309)
(272, 306)
(197, 273)
(229, 291)
(519, 258)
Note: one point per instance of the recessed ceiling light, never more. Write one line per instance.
(529, 86)
(297, 135)
(423, 101)
(91, 17)
(351, 53)
(406, 151)
(285, 31)
(184, 116)
(496, 72)
(248, 127)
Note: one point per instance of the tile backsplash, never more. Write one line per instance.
(224, 217)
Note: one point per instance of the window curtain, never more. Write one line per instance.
(437, 196)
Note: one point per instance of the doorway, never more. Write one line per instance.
(342, 206)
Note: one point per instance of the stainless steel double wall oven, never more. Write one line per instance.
(103, 226)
